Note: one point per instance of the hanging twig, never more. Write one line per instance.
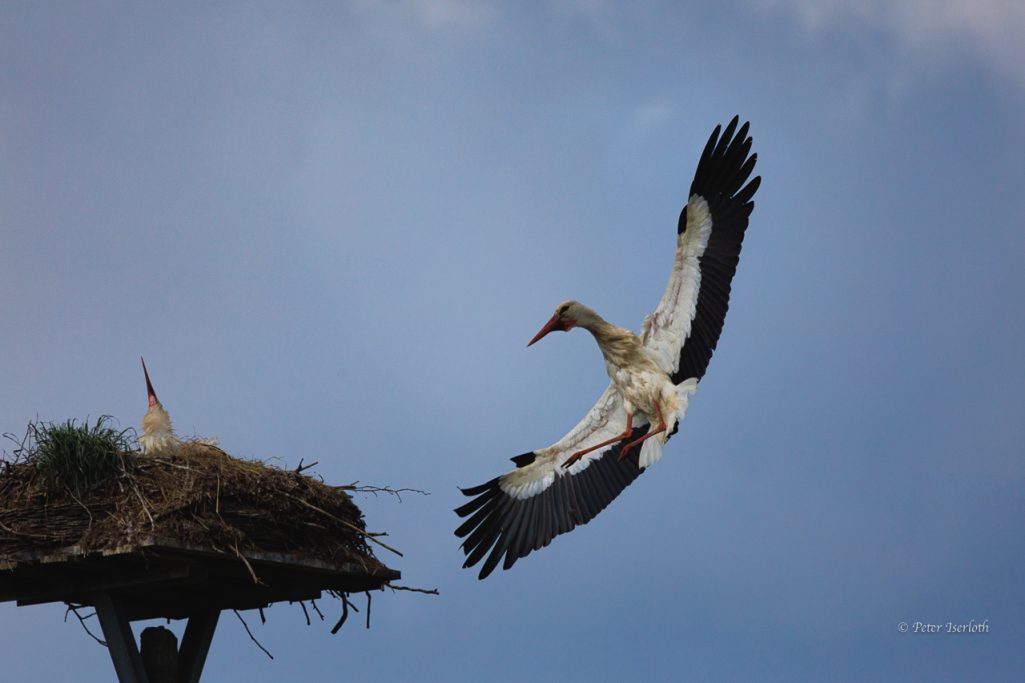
(74, 610)
(367, 593)
(305, 613)
(345, 612)
(313, 604)
(252, 573)
(251, 636)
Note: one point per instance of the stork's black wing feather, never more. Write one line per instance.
(685, 328)
(505, 528)
(719, 179)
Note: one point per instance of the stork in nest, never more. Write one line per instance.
(157, 432)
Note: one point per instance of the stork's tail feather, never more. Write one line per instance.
(651, 450)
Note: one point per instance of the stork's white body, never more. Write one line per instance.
(157, 432)
(644, 388)
(653, 376)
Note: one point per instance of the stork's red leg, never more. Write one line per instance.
(626, 432)
(661, 428)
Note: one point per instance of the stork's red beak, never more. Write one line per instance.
(149, 386)
(556, 323)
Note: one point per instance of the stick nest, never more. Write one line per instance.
(198, 495)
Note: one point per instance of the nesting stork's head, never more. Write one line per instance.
(157, 432)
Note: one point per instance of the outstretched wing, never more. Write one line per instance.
(523, 510)
(684, 329)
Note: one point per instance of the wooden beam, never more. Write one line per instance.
(143, 576)
(117, 631)
(196, 644)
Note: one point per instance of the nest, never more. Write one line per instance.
(198, 496)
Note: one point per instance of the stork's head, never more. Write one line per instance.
(157, 431)
(568, 314)
(149, 386)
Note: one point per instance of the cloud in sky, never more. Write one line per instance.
(651, 114)
(433, 14)
(937, 31)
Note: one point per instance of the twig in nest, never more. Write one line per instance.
(365, 534)
(24, 533)
(74, 610)
(84, 507)
(301, 467)
(251, 637)
(381, 489)
(428, 591)
(172, 464)
(145, 508)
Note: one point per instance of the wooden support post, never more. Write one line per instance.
(195, 645)
(159, 649)
(117, 631)
(161, 660)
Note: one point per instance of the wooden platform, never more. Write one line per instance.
(159, 578)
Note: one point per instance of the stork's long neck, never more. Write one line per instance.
(616, 343)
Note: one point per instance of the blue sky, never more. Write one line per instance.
(332, 228)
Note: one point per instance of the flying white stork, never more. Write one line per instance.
(653, 375)
(157, 433)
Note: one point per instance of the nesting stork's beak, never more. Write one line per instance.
(555, 324)
(149, 385)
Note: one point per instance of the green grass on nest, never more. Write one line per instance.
(78, 456)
